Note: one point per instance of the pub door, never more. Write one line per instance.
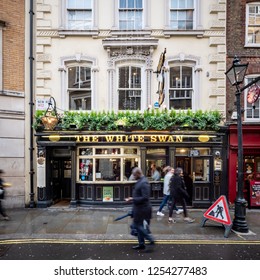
(60, 179)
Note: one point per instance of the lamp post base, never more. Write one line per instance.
(239, 222)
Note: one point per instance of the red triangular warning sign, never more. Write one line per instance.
(219, 211)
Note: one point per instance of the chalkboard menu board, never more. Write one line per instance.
(255, 193)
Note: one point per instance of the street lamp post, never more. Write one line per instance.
(236, 75)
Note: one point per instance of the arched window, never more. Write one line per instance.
(181, 87)
(78, 82)
(129, 88)
(79, 87)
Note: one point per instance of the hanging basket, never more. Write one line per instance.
(50, 118)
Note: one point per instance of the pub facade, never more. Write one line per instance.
(87, 168)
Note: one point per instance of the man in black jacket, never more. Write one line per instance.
(142, 209)
(179, 194)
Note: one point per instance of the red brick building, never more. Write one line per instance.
(243, 40)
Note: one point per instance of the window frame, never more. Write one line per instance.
(94, 156)
(129, 89)
(129, 10)
(186, 9)
(130, 64)
(248, 44)
(85, 91)
(63, 20)
(197, 30)
(192, 89)
(74, 60)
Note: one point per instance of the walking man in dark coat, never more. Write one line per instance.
(142, 209)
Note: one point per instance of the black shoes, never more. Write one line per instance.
(139, 247)
(149, 246)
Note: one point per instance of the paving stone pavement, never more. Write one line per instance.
(99, 224)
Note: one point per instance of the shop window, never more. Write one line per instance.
(85, 169)
(253, 24)
(79, 87)
(252, 110)
(129, 88)
(181, 87)
(130, 14)
(182, 14)
(106, 164)
(108, 169)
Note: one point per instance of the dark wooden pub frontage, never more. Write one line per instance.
(87, 168)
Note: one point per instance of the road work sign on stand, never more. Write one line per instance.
(219, 212)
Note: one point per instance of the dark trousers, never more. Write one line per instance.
(164, 202)
(2, 211)
(182, 201)
(143, 232)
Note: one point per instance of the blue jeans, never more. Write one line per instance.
(164, 202)
(143, 233)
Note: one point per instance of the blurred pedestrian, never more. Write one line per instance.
(2, 194)
(179, 194)
(168, 170)
(142, 209)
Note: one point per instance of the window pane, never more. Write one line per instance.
(190, 4)
(85, 77)
(86, 169)
(109, 169)
(73, 77)
(174, 77)
(79, 4)
(79, 20)
(80, 100)
(122, 4)
(135, 77)
(129, 165)
(174, 4)
(124, 77)
(129, 100)
(108, 151)
(182, 3)
(85, 151)
(131, 4)
(201, 170)
(139, 4)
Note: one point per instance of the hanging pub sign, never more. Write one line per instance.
(255, 193)
(253, 94)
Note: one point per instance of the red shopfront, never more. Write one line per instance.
(251, 159)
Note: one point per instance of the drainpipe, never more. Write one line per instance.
(31, 149)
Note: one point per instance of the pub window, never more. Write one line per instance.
(106, 163)
(130, 14)
(129, 88)
(182, 14)
(79, 87)
(252, 110)
(253, 24)
(79, 14)
(181, 87)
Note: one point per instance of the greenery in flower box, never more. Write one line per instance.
(148, 120)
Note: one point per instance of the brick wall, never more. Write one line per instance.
(236, 18)
(12, 12)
